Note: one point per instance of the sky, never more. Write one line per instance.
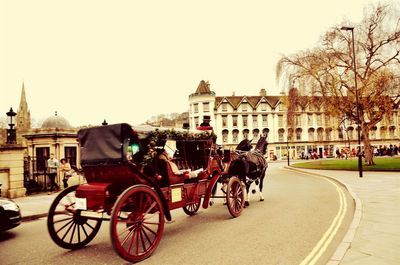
(127, 60)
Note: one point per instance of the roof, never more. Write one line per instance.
(203, 88)
(254, 101)
(56, 121)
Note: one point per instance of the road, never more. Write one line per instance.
(301, 221)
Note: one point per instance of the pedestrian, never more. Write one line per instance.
(65, 170)
(52, 168)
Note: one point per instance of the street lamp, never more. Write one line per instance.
(357, 105)
(104, 123)
(11, 133)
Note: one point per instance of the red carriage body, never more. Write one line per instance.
(128, 184)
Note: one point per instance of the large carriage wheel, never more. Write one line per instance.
(137, 223)
(191, 208)
(235, 196)
(66, 226)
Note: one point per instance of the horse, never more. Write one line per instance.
(249, 165)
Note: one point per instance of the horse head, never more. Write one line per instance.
(244, 145)
(262, 145)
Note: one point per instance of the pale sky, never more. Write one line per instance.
(125, 61)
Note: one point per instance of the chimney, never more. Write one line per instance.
(263, 92)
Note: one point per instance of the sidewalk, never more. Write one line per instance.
(374, 235)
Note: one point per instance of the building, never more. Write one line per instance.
(235, 118)
(55, 135)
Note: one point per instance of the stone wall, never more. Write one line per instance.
(12, 171)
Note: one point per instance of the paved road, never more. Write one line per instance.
(297, 213)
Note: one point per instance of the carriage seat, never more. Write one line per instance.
(171, 174)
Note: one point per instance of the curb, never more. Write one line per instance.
(33, 217)
(345, 244)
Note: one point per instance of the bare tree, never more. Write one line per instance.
(327, 72)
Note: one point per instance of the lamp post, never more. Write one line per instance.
(357, 105)
(104, 123)
(11, 132)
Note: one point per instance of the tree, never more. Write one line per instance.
(327, 73)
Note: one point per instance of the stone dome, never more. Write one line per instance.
(56, 121)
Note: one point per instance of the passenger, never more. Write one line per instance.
(164, 156)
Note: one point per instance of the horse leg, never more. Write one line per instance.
(246, 195)
(261, 185)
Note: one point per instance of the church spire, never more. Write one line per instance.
(23, 105)
(23, 114)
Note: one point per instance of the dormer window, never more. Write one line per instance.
(263, 106)
(224, 106)
(244, 107)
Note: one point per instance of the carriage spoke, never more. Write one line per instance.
(62, 220)
(72, 235)
(61, 228)
(151, 207)
(147, 237)
(69, 228)
(149, 229)
(127, 236)
(142, 240)
(79, 233)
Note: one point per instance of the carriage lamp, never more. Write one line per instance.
(11, 132)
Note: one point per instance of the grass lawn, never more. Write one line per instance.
(382, 164)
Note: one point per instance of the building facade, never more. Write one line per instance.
(55, 135)
(235, 118)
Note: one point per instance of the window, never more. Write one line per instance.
(206, 106)
(225, 136)
(244, 120)
(196, 108)
(373, 133)
(263, 106)
(264, 120)
(70, 154)
(340, 133)
(235, 136)
(244, 107)
(224, 107)
(255, 121)
(328, 134)
(256, 133)
(311, 134)
(280, 135)
(319, 120)
(280, 107)
(319, 134)
(280, 121)
(196, 121)
(298, 134)
(42, 154)
(246, 134)
(234, 120)
(298, 120)
(310, 120)
(224, 121)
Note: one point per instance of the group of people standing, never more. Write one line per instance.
(52, 170)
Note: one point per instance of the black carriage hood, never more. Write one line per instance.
(105, 144)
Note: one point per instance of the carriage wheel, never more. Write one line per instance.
(66, 226)
(192, 208)
(234, 196)
(137, 223)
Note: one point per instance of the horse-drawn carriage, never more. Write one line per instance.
(132, 184)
